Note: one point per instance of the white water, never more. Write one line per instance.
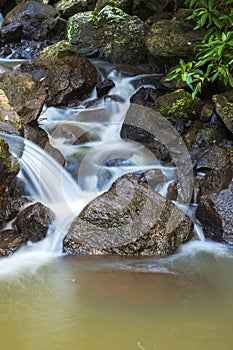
(49, 183)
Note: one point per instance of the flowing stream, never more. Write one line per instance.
(51, 301)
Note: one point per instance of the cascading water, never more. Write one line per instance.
(94, 163)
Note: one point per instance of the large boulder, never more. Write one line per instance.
(65, 75)
(130, 219)
(111, 34)
(224, 108)
(10, 241)
(215, 213)
(33, 20)
(25, 94)
(170, 40)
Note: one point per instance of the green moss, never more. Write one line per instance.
(181, 105)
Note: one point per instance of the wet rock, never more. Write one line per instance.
(68, 8)
(66, 75)
(211, 158)
(10, 241)
(144, 96)
(170, 40)
(214, 170)
(34, 222)
(104, 87)
(215, 213)
(112, 35)
(10, 207)
(26, 49)
(224, 108)
(129, 219)
(40, 137)
(24, 94)
(9, 168)
(34, 20)
(178, 105)
(9, 128)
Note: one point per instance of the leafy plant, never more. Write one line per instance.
(214, 54)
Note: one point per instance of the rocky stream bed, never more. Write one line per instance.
(49, 51)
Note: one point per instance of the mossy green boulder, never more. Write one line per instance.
(112, 35)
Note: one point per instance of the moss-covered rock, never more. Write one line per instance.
(178, 105)
(111, 34)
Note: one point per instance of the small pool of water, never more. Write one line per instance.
(101, 303)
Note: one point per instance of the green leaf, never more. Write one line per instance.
(221, 49)
(217, 22)
(224, 37)
(210, 4)
(203, 19)
(189, 81)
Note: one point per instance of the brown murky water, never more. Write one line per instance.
(111, 303)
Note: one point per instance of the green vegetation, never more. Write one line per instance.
(214, 54)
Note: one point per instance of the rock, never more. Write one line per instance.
(129, 219)
(112, 35)
(10, 207)
(34, 221)
(10, 241)
(104, 87)
(215, 213)
(40, 137)
(7, 113)
(124, 5)
(25, 94)
(34, 21)
(145, 9)
(9, 168)
(210, 158)
(178, 105)
(224, 108)
(68, 8)
(66, 75)
(170, 40)
(144, 96)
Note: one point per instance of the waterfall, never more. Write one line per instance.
(92, 165)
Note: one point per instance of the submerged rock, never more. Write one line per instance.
(111, 34)
(65, 75)
(34, 222)
(129, 219)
